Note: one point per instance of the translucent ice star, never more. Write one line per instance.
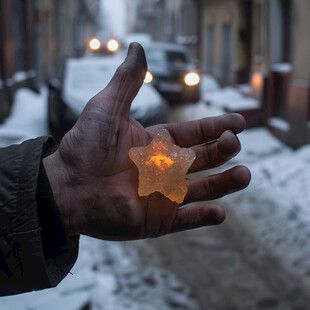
(162, 167)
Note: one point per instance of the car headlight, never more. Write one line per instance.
(192, 79)
(94, 44)
(148, 77)
(112, 45)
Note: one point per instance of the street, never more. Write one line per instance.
(258, 259)
(193, 59)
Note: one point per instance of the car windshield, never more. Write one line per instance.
(90, 78)
(160, 56)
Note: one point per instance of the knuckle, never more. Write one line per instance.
(207, 155)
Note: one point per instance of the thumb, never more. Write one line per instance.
(125, 84)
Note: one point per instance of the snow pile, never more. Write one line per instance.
(276, 205)
(194, 111)
(109, 275)
(283, 67)
(257, 144)
(208, 84)
(27, 119)
(279, 123)
(231, 99)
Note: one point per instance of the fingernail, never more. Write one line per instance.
(130, 48)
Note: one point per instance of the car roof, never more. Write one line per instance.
(168, 46)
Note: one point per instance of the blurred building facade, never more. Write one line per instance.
(259, 42)
(267, 44)
(36, 36)
(172, 21)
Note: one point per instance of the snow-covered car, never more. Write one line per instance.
(81, 80)
(174, 73)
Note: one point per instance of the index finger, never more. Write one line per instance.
(201, 131)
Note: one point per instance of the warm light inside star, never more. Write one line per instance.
(160, 160)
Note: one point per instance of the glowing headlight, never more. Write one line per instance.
(94, 44)
(148, 77)
(192, 79)
(112, 45)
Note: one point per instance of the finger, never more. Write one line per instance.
(125, 84)
(159, 216)
(217, 185)
(216, 153)
(197, 216)
(202, 131)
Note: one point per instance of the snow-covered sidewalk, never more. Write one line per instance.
(276, 205)
(275, 208)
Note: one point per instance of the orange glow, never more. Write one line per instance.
(160, 160)
(257, 80)
(94, 44)
(257, 83)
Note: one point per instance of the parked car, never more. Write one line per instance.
(173, 72)
(81, 80)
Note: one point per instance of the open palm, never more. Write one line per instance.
(96, 188)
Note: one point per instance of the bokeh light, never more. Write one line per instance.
(94, 44)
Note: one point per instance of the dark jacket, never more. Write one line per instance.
(35, 252)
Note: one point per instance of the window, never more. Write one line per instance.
(210, 49)
(281, 31)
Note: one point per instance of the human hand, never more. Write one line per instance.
(95, 184)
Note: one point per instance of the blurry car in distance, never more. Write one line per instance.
(85, 77)
(102, 46)
(173, 72)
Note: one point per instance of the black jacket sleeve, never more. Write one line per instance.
(35, 252)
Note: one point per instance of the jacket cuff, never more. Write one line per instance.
(31, 255)
(60, 250)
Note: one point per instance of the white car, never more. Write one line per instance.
(85, 77)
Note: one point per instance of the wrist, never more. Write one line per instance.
(62, 188)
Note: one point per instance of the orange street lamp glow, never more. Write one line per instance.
(192, 79)
(148, 78)
(112, 45)
(94, 44)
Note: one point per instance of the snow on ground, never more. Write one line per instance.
(280, 123)
(230, 98)
(107, 275)
(208, 84)
(27, 119)
(275, 208)
(276, 205)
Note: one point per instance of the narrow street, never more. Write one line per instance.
(237, 265)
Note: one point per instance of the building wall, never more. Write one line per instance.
(298, 103)
(175, 21)
(280, 69)
(230, 43)
(36, 37)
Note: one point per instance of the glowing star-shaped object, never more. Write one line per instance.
(162, 167)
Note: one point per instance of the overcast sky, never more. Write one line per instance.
(115, 13)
